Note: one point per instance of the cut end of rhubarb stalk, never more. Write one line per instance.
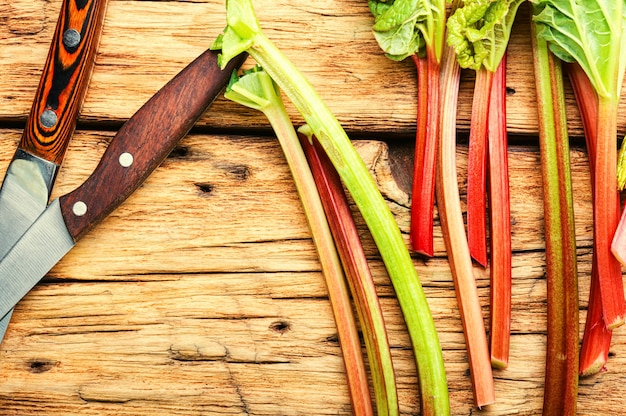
(597, 366)
(498, 364)
(616, 323)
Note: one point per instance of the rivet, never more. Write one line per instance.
(79, 209)
(48, 118)
(71, 38)
(126, 159)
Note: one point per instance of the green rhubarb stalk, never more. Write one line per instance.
(596, 342)
(453, 228)
(479, 31)
(255, 89)
(561, 386)
(357, 271)
(589, 32)
(416, 28)
(243, 33)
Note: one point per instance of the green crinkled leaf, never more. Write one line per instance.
(400, 43)
(479, 32)
(588, 32)
(406, 27)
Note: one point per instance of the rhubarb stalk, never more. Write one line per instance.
(479, 31)
(406, 28)
(594, 350)
(243, 33)
(477, 167)
(357, 271)
(561, 377)
(500, 223)
(590, 33)
(451, 216)
(255, 89)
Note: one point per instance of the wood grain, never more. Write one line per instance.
(202, 293)
(145, 43)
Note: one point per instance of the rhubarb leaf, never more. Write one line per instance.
(588, 32)
(407, 27)
(479, 32)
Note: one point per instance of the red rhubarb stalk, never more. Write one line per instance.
(357, 271)
(606, 215)
(423, 192)
(477, 167)
(594, 350)
(406, 28)
(500, 222)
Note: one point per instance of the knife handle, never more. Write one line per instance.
(64, 80)
(145, 140)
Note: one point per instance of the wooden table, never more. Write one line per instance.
(202, 294)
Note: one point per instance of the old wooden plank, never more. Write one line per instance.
(202, 294)
(145, 43)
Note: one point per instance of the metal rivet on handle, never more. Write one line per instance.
(71, 38)
(79, 209)
(48, 118)
(126, 159)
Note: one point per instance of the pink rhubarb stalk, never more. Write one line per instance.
(453, 227)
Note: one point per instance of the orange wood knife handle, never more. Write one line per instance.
(145, 140)
(63, 84)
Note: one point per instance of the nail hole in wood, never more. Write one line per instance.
(280, 326)
(204, 187)
(179, 151)
(41, 366)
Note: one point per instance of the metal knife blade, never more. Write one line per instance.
(30, 176)
(142, 143)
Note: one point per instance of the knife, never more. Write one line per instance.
(30, 176)
(140, 145)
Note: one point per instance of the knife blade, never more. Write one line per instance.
(51, 122)
(142, 143)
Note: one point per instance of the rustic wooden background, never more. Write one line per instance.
(202, 294)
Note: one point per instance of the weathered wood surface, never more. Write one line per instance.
(202, 293)
(144, 43)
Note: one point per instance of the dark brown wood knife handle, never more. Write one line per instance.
(145, 140)
(64, 80)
